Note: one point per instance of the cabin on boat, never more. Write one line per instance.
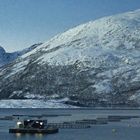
(38, 124)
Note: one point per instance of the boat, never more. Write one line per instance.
(33, 126)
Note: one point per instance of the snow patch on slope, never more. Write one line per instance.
(18, 67)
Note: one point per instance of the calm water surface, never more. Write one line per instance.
(125, 130)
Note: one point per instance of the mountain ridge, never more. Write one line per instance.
(6, 57)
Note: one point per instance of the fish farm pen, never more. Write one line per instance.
(87, 123)
(69, 125)
(43, 126)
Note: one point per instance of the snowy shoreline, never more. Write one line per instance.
(33, 103)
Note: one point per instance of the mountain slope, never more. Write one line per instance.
(6, 58)
(97, 63)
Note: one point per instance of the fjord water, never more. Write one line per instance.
(124, 130)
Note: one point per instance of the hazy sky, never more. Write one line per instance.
(25, 22)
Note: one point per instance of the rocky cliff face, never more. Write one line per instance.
(97, 63)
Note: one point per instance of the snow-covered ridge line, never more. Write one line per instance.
(92, 26)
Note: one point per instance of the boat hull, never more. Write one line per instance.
(24, 130)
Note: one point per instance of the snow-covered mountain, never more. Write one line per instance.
(97, 63)
(6, 58)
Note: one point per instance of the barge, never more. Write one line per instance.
(33, 126)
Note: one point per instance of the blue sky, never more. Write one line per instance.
(25, 22)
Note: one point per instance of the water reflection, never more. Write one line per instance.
(37, 136)
(18, 135)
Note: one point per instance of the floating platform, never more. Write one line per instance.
(32, 131)
(97, 121)
(117, 118)
(122, 117)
